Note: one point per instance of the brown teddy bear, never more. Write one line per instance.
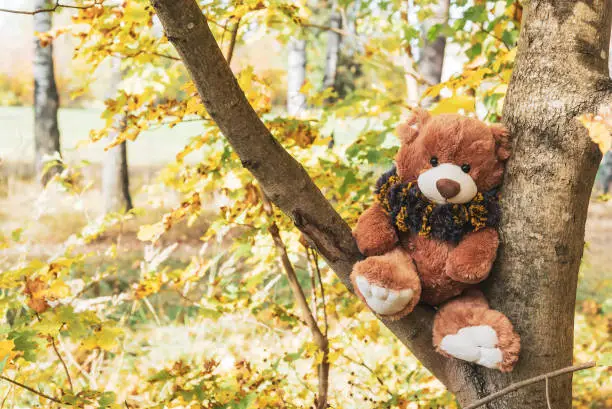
(431, 235)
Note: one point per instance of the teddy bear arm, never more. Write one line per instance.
(374, 233)
(471, 261)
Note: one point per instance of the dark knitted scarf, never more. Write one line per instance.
(411, 212)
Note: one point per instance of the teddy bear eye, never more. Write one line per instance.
(465, 167)
(434, 161)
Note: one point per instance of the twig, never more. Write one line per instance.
(313, 283)
(298, 292)
(10, 389)
(493, 35)
(327, 28)
(232, 44)
(150, 307)
(526, 382)
(74, 363)
(548, 394)
(370, 370)
(63, 363)
(140, 52)
(52, 9)
(315, 258)
(27, 388)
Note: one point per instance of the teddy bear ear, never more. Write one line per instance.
(503, 144)
(409, 130)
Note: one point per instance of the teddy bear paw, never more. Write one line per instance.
(384, 301)
(477, 344)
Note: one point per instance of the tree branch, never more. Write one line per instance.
(282, 178)
(232, 44)
(327, 28)
(27, 388)
(527, 382)
(63, 363)
(52, 9)
(320, 338)
(296, 288)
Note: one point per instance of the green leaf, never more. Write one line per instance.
(161, 376)
(3, 363)
(107, 399)
(474, 51)
(245, 402)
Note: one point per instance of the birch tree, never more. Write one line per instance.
(46, 98)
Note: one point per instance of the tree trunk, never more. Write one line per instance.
(348, 69)
(115, 178)
(296, 75)
(432, 53)
(561, 72)
(46, 99)
(606, 164)
(334, 39)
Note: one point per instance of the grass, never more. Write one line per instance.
(154, 147)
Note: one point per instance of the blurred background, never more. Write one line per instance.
(139, 263)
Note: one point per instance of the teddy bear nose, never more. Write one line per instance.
(448, 188)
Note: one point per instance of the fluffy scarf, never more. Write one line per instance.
(411, 212)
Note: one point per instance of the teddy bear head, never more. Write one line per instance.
(451, 157)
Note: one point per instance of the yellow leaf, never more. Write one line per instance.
(455, 104)
(58, 290)
(306, 87)
(105, 338)
(599, 131)
(150, 232)
(6, 347)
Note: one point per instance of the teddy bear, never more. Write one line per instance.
(431, 235)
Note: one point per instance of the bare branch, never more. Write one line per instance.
(140, 52)
(516, 386)
(232, 44)
(315, 259)
(27, 388)
(320, 338)
(56, 6)
(297, 290)
(63, 363)
(327, 28)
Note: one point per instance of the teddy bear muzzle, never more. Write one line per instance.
(447, 183)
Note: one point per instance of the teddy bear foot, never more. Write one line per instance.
(467, 329)
(388, 284)
(475, 344)
(381, 300)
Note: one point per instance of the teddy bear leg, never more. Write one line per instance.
(466, 328)
(388, 284)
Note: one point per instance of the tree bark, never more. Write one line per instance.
(115, 177)
(46, 98)
(606, 163)
(561, 72)
(432, 53)
(296, 75)
(334, 39)
(558, 75)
